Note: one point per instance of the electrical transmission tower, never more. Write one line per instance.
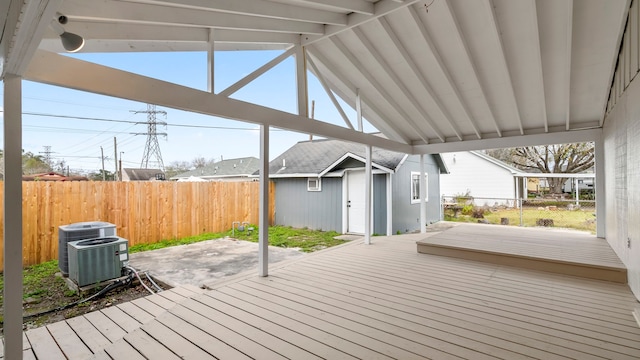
(152, 148)
(47, 155)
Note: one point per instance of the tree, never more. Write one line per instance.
(33, 164)
(97, 175)
(176, 167)
(554, 159)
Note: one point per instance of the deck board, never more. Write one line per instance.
(69, 342)
(43, 344)
(378, 301)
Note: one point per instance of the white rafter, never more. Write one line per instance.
(381, 8)
(357, 6)
(327, 90)
(460, 37)
(301, 81)
(533, 13)
(381, 89)
(58, 70)
(403, 88)
(567, 65)
(260, 8)
(388, 127)
(103, 10)
(20, 39)
(256, 73)
(502, 58)
(442, 66)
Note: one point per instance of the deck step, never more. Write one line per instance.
(565, 253)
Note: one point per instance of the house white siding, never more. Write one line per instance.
(622, 181)
(476, 175)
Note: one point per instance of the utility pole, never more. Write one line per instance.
(115, 156)
(152, 148)
(120, 172)
(104, 176)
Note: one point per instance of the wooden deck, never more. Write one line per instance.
(381, 301)
(560, 251)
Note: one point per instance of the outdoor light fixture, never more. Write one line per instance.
(70, 41)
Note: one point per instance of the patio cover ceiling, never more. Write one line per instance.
(433, 76)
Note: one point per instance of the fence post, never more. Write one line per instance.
(442, 208)
(521, 212)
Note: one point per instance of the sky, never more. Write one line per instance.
(75, 125)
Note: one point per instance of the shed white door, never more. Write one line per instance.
(355, 201)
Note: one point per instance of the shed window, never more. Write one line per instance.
(416, 189)
(313, 184)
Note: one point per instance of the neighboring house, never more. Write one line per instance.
(319, 184)
(241, 169)
(486, 179)
(52, 176)
(129, 174)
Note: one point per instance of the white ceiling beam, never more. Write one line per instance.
(567, 64)
(357, 6)
(441, 64)
(64, 71)
(388, 126)
(537, 59)
(25, 25)
(459, 36)
(327, 90)
(260, 8)
(554, 136)
(112, 11)
(124, 46)
(381, 8)
(388, 69)
(382, 90)
(504, 65)
(93, 31)
(257, 73)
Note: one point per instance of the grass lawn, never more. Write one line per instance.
(577, 219)
(282, 236)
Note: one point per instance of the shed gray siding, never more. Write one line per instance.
(299, 208)
(406, 216)
(380, 204)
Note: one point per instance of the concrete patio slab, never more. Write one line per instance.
(195, 264)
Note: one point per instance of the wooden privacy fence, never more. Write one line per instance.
(144, 212)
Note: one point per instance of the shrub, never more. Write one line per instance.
(478, 213)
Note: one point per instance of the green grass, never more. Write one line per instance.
(282, 236)
(577, 219)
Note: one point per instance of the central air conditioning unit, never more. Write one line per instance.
(80, 231)
(92, 261)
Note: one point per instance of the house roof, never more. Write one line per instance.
(52, 176)
(141, 174)
(497, 162)
(239, 167)
(317, 157)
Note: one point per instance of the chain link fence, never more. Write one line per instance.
(558, 212)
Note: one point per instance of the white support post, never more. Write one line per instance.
(575, 182)
(263, 236)
(368, 180)
(389, 204)
(301, 81)
(211, 73)
(423, 200)
(601, 230)
(12, 217)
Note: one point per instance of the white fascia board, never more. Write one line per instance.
(559, 137)
(58, 70)
(301, 175)
(404, 158)
(355, 157)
